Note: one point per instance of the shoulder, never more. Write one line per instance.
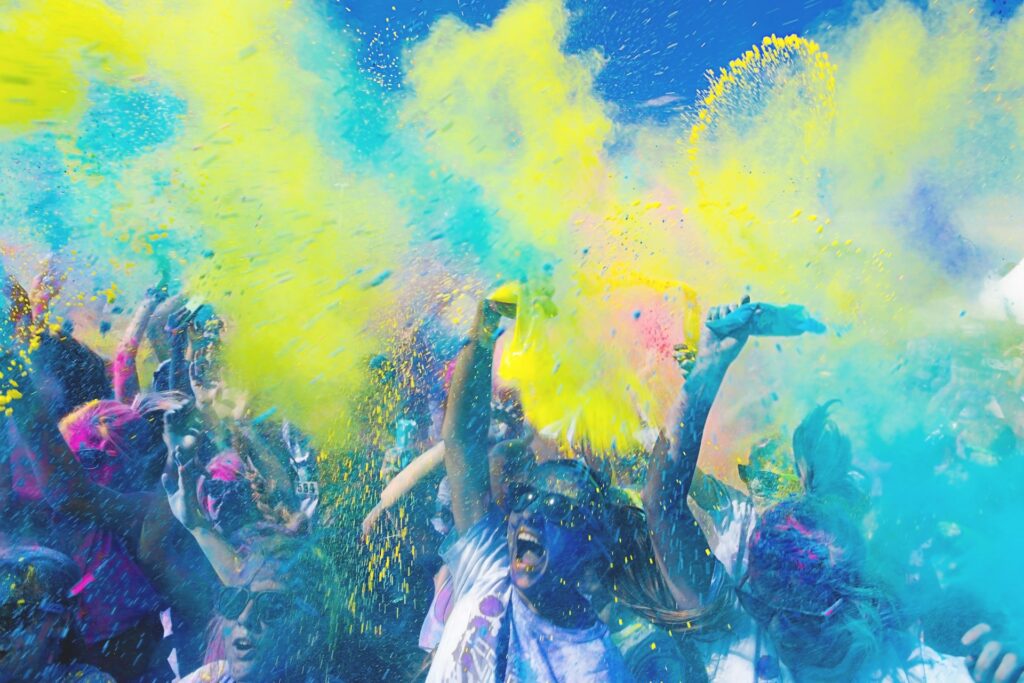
(487, 537)
(210, 673)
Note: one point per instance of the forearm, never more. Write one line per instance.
(125, 372)
(179, 380)
(671, 470)
(465, 430)
(226, 562)
(414, 472)
(126, 376)
(681, 548)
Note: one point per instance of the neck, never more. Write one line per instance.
(564, 607)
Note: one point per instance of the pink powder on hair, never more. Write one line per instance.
(106, 425)
(226, 466)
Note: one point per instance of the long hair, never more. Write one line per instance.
(637, 582)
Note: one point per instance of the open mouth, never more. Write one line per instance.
(244, 647)
(529, 553)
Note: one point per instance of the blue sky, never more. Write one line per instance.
(655, 48)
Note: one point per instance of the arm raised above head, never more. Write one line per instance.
(467, 419)
(125, 370)
(680, 546)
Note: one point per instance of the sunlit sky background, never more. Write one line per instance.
(657, 51)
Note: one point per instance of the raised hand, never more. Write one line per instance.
(720, 344)
(182, 496)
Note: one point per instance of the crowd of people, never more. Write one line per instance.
(159, 530)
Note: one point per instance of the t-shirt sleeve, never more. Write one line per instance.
(728, 518)
(480, 553)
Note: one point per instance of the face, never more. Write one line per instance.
(106, 465)
(29, 639)
(263, 640)
(552, 529)
(228, 504)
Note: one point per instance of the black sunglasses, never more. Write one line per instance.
(554, 506)
(763, 611)
(268, 606)
(92, 458)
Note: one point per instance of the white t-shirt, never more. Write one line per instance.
(744, 654)
(491, 635)
(728, 518)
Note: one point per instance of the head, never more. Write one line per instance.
(68, 373)
(35, 609)
(225, 493)
(274, 624)
(770, 474)
(807, 587)
(555, 529)
(507, 420)
(116, 444)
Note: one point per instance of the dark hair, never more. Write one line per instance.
(37, 575)
(638, 582)
(81, 373)
(813, 549)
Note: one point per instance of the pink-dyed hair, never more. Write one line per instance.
(226, 466)
(109, 426)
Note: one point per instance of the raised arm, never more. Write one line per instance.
(46, 288)
(680, 547)
(183, 500)
(176, 329)
(467, 419)
(126, 375)
(404, 482)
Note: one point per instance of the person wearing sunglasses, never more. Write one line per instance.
(36, 609)
(521, 610)
(273, 630)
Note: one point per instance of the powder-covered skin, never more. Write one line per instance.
(869, 169)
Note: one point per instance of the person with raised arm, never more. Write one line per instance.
(520, 574)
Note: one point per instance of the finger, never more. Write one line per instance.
(985, 665)
(975, 633)
(1009, 670)
(188, 475)
(170, 485)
